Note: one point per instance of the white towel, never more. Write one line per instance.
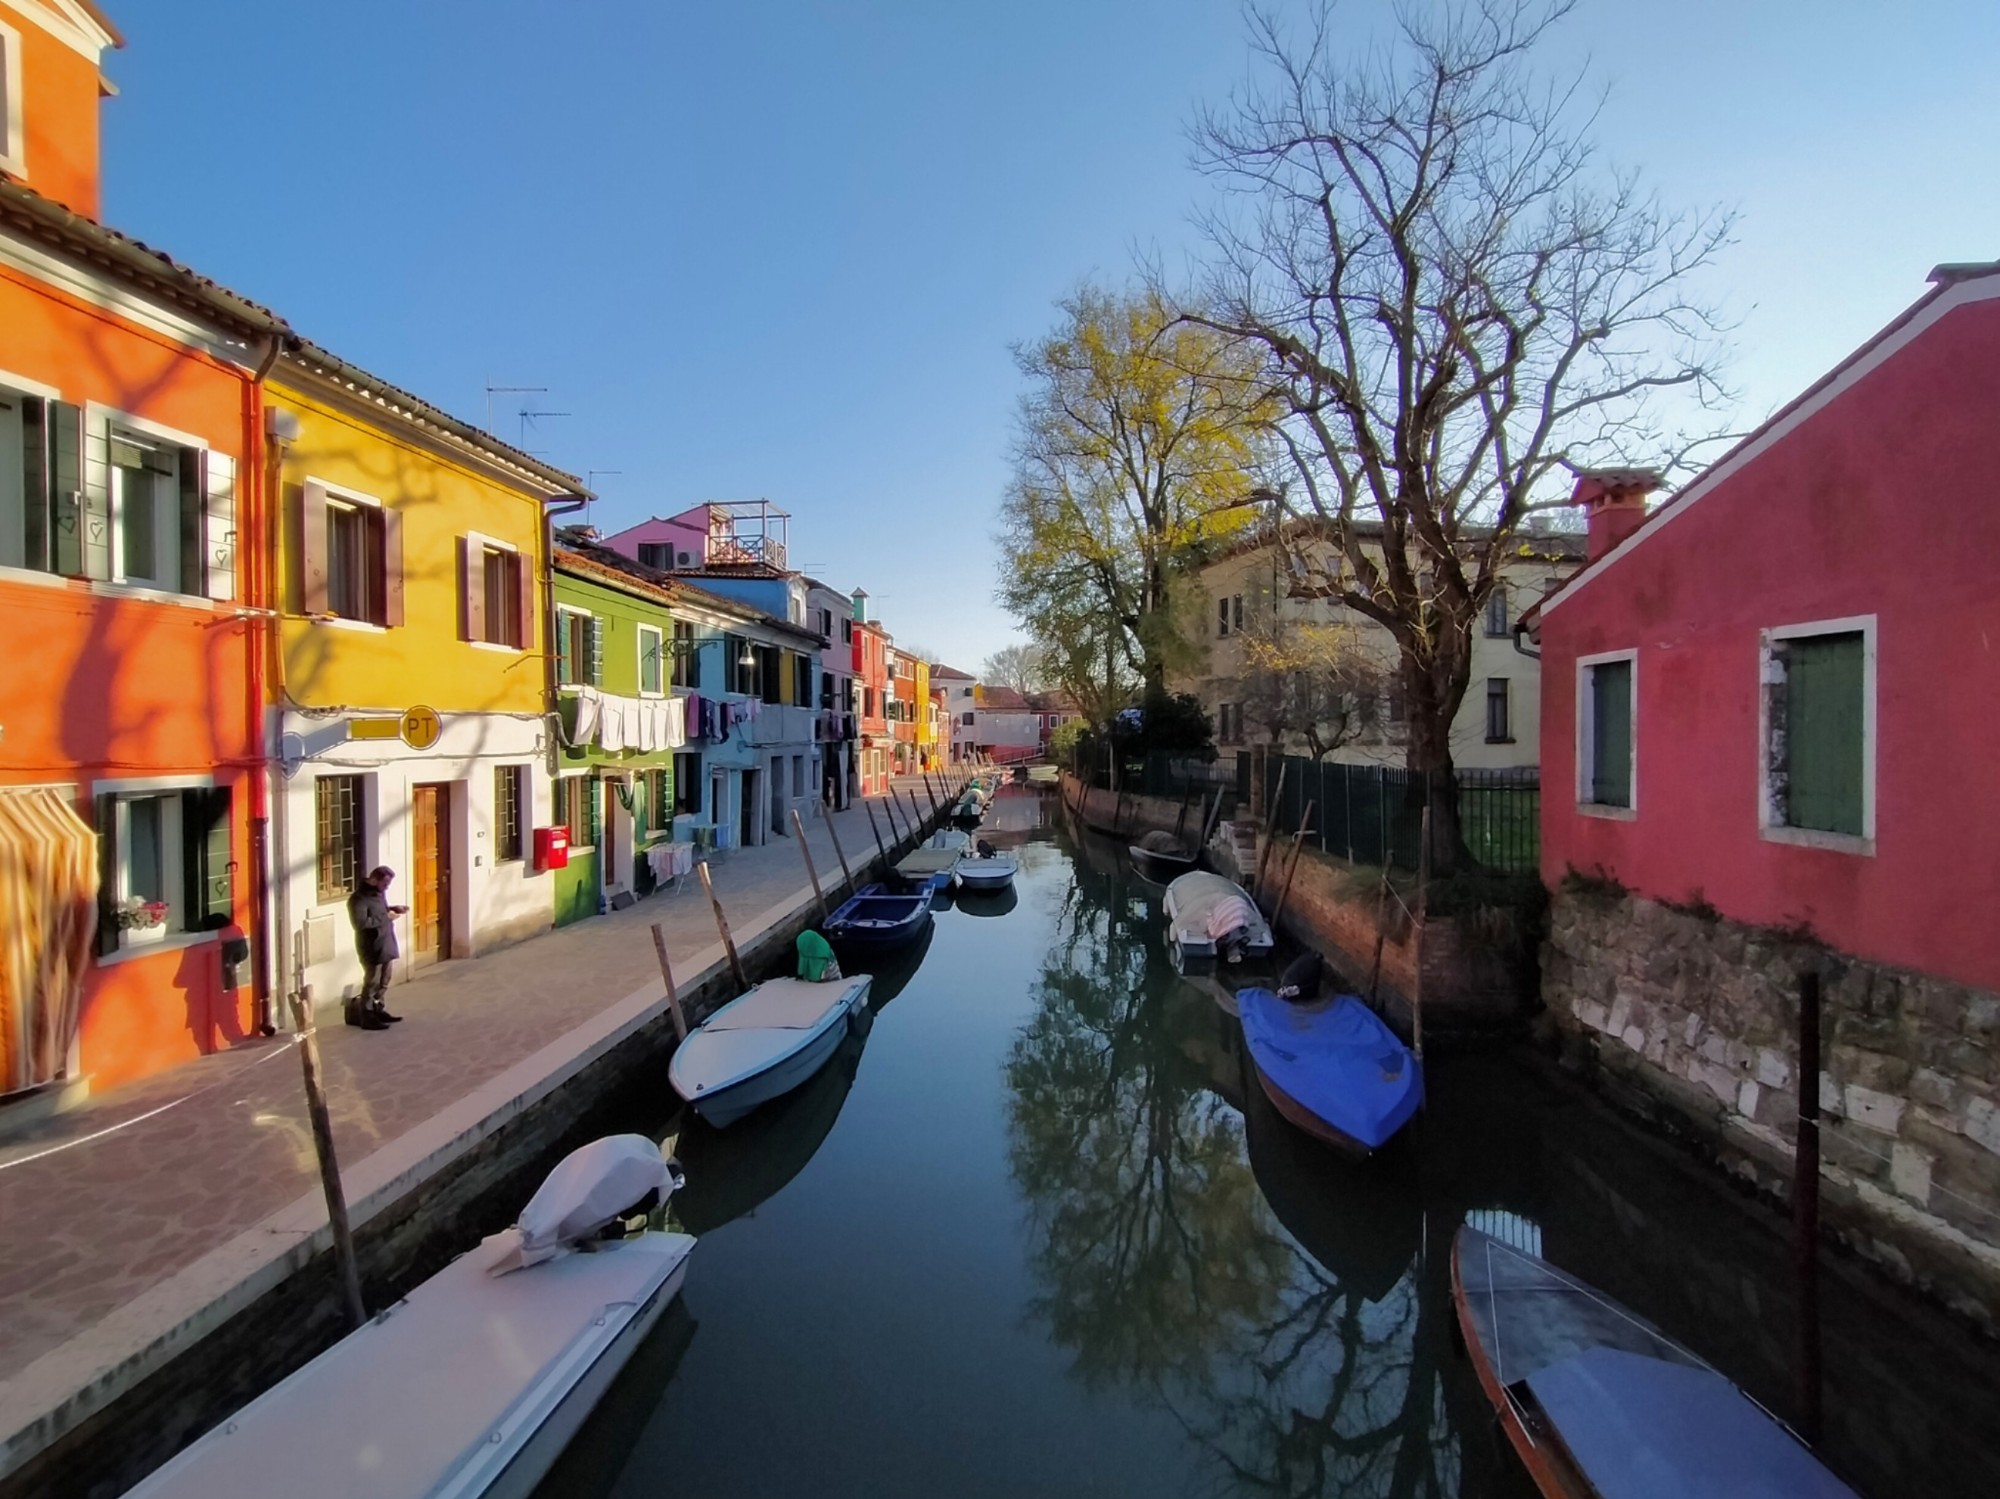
(675, 717)
(589, 716)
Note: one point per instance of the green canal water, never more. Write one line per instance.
(1034, 1234)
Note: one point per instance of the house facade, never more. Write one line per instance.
(408, 716)
(1261, 632)
(957, 691)
(131, 808)
(871, 686)
(1766, 712)
(831, 613)
(1006, 725)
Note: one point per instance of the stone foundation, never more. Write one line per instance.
(1700, 1016)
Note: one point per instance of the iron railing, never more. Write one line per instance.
(1368, 814)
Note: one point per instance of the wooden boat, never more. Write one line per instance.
(473, 1384)
(1207, 915)
(1162, 858)
(1332, 1068)
(762, 1044)
(970, 808)
(933, 865)
(877, 917)
(1600, 1404)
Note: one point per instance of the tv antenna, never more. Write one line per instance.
(493, 390)
(528, 416)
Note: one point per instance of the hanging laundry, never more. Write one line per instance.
(589, 716)
(675, 719)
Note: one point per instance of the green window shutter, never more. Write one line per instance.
(593, 652)
(565, 662)
(1824, 732)
(36, 489)
(107, 874)
(1611, 734)
(206, 856)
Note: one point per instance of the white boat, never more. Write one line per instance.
(767, 1042)
(987, 872)
(1210, 916)
(935, 861)
(472, 1385)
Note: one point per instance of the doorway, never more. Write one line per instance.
(747, 819)
(430, 873)
(618, 834)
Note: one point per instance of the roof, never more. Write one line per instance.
(1548, 546)
(584, 558)
(812, 582)
(84, 239)
(939, 669)
(1004, 699)
(1952, 286)
(1052, 702)
(96, 13)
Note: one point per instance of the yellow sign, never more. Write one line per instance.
(374, 728)
(421, 727)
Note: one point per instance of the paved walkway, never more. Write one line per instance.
(104, 1206)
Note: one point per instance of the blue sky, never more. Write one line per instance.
(780, 250)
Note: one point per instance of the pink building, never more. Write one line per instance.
(721, 533)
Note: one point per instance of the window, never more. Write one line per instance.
(802, 681)
(1818, 732)
(165, 865)
(1499, 729)
(146, 510)
(352, 557)
(659, 799)
(494, 584)
(337, 817)
(736, 677)
(1222, 617)
(13, 127)
(847, 631)
(1606, 757)
(576, 810)
(686, 669)
(847, 694)
(658, 554)
(827, 697)
(1496, 613)
(652, 663)
(1229, 723)
(579, 648)
(770, 686)
(39, 482)
(966, 720)
(687, 784)
(798, 775)
(509, 782)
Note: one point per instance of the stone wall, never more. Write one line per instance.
(1700, 1015)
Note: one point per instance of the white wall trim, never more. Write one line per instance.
(25, 386)
(144, 785)
(13, 123)
(1843, 378)
(1585, 709)
(1769, 825)
(69, 24)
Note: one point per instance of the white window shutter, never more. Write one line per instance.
(96, 518)
(219, 523)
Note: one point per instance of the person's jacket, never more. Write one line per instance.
(374, 927)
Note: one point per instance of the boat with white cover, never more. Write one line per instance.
(987, 872)
(767, 1042)
(935, 863)
(471, 1385)
(1210, 916)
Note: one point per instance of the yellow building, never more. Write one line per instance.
(927, 752)
(409, 684)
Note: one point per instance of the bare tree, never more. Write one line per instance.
(1315, 683)
(1021, 667)
(1457, 306)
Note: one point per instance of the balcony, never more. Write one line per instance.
(779, 723)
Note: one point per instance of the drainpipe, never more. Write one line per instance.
(1521, 633)
(563, 505)
(259, 593)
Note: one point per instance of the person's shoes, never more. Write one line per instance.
(371, 1020)
(392, 1019)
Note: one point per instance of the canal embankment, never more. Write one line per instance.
(182, 1260)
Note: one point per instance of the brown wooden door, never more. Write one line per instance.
(430, 876)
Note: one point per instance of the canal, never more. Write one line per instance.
(1034, 1235)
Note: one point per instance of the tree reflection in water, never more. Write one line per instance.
(1300, 1359)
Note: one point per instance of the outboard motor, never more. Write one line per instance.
(585, 1200)
(984, 849)
(1299, 984)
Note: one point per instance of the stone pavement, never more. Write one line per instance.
(102, 1208)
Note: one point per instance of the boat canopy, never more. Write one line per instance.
(1210, 904)
(816, 960)
(592, 1186)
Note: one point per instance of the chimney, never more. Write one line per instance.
(1614, 503)
(860, 597)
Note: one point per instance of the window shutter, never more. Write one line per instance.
(193, 565)
(524, 582)
(65, 439)
(1611, 734)
(312, 548)
(472, 588)
(36, 489)
(1825, 727)
(205, 855)
(219, 526)
(392, 566)
(107, 874)
(593, 652)
(95, 445)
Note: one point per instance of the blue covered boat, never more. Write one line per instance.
(878, 917)
(1333, 1069)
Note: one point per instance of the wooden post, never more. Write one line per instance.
(722, 926)
(812, 874)
(1805, 1210)
(1381, 930)
(1264, 856)
(916, 813)
(673, 994)
(936, 810)
(1423, 901)
(329, 1167)
(1291, 867)
(1118, 815)
(1208, 824)
(1181, 820)
(897, 833)
(877, 832)
(845, 873)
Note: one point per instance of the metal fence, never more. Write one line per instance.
(1367, 814)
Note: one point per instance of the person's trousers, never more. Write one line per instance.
(375, 983)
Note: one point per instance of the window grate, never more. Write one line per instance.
(337, 808)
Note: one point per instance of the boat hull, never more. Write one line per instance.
(725, 1107)
(972, 877)
(1160, 868)
(1301, 1117)
(863, 927)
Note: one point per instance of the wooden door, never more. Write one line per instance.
(430, 874)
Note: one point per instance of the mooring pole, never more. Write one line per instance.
(1805, 1209)
(329, 1167)
(673, 994)
(877, 832)
(916, 811)
(1381, 931)
(805, 853)
(1181, 820)
(1423, 901)
(936, 810)
(1264, 857)
(1291, 865)
(845, 873)
(722, 926)
(890, 810)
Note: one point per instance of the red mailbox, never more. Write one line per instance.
(551, 849)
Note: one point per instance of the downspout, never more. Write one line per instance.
(1522, 631)
(565, 505)
(259, 560)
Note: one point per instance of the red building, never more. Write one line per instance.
(871, 694)
(1795, 664)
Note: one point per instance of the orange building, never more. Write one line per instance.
(130, 711)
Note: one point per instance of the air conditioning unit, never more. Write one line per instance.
(687, 559)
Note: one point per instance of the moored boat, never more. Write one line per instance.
(472, 1384)
(764, 1043)
(1162, 858)
(988, 871)
(877, 917)
(1600, 1404)
(933, 865)
(1331, 1067)
(1209, 916)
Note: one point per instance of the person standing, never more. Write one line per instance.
(375, 941)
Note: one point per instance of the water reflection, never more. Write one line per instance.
(1265, 1294)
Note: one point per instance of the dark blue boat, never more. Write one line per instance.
(1335, 1070)
(878, 917)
